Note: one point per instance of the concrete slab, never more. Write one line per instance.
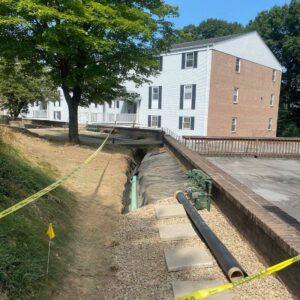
(169, 211)
(184, 258)
(276, 180)
(176, 232)
(181, 288)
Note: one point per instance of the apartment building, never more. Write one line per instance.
(227, 86)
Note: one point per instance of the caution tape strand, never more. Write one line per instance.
(202, 294)
(55, 184)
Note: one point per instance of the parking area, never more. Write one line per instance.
(277, 180)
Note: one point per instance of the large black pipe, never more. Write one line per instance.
(227, 262)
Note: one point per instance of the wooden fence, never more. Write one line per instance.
(235, 146)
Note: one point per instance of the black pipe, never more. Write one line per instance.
(227, 262)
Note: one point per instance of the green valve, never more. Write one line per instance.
(199, 189)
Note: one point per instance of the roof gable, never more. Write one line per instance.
(249, 46)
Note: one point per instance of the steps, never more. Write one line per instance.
(184, 258)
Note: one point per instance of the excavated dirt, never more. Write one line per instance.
(98, 190)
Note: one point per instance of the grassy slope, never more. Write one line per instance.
(23, 240)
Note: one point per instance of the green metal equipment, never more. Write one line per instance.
(199, 188)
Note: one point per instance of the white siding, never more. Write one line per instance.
(250, 47)
(171, 78)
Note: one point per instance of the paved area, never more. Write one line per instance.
(277, 180)
(181, 288)
(176, 232)
(185, 258)
(169, 211)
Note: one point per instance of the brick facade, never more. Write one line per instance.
(253, 109)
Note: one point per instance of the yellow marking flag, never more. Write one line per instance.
(50, 232)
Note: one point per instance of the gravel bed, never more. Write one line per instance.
(140, 265)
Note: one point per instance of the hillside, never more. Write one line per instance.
(23, 239)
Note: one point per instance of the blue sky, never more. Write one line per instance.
(195, 11)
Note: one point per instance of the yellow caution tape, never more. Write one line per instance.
(201, 294)
(54, 185)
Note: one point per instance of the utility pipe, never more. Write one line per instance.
(227, 262)
(133, 193)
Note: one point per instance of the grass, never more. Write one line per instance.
(23, 239)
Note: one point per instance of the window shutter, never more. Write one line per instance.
(180, 122)
(150, 98)
(159, 121)
(181, 96)
(159, 97)
(118, 104)
(161, 60)
(183, 61)
(149, 121)
(195, 59)
(192, 123)
(194, 96)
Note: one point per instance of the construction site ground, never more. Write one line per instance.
(99, 193)
(119, 256)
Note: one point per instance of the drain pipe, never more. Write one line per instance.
(227, 262)
(133, 193)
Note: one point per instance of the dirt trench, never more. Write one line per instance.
(99, 191)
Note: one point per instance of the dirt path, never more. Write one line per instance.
(98, 190)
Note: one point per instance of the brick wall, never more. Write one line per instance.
(253, 109)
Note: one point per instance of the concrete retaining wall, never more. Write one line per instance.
(273, 234)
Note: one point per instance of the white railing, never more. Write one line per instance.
(126, 118)
(37, 114)
(92, 118)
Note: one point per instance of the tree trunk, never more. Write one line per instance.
(73, 103)
(73, 122)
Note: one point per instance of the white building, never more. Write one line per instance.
(218, 86)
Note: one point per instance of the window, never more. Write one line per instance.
(109, 104)
(118, 103)
(233, 125)
(189, 60)
(57, 103)
(238, 65)
(272, 100)
(43, 106)
(155, 96)
(187, 96)
(57, 115)
(93, 117)
(154, 121)
(274, 75)
(186, 124)
(270, 124)
(235, 95)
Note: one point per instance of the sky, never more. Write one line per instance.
(242, 11)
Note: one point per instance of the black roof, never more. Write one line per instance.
(203, 43)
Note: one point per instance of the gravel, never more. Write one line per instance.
(141, 271)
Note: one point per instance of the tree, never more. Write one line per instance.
(18, 88)
(91, 47)
(209, 28)
(280, 28)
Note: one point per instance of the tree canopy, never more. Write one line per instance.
(91, 47)
(209, 28)
(18, 88)
(280, 29)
